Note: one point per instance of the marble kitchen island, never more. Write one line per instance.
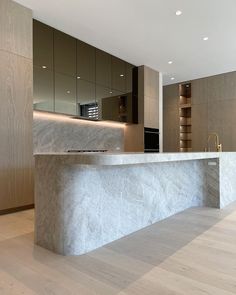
(84, 201)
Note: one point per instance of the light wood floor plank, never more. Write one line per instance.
(193, 252)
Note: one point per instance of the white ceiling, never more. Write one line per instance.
(148, 31)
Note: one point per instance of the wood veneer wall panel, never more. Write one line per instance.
(16, 151)
(171, 118)
(16, 110)
(15, 28)
(215, 100)
(213, 110)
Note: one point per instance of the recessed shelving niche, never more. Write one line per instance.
(185, 118)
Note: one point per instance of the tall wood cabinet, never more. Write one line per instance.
(16, 150)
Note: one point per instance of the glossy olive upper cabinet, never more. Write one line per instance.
(75, 78)
(117, 107)
(118, 74)
(43, 67)
(85, 61)
(103, 68)
(65, 94)
(43, 89)
(86, 86)
(64, 53)
(86, 103)
(65, 73)
(43, 45)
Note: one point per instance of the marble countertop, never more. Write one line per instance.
(125, 158)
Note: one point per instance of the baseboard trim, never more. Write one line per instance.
(16, 209)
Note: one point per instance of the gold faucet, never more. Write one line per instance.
(218, 145)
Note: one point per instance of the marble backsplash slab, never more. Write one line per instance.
(58, 133)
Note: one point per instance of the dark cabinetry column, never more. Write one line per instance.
(43, 45)
(118, 74)
(75, 78)
(103, 68)
(64, 53)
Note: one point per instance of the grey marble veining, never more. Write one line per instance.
(82, 207)
(213, 184)
(83, 203)
(57, 133)
(227, 178)
(124, 158)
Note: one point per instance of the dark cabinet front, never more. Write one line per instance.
(64, 53)
(87, 106)
(103, 68)
(85, 61)
(43, 67)
(43, 45)
(43, 89)
(65, 94)
(129, 75)
(118, 74)
(72, 77)
(117, 108)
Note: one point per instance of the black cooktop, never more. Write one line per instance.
(87, 151)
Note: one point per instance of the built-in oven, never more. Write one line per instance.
(151, 140)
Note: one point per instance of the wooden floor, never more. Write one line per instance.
(193, 252)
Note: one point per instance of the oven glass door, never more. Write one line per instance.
(151, 140)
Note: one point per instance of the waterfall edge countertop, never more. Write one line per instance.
(126, 158)
(86, 200)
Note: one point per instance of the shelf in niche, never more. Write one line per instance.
(185, 123)
(185, 136)
(185, 106)
(185, 115)
(187, 129)
(185, 149)
(184, 100)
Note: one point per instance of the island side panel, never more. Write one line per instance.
(49, 204)
(227, 178)
(213, 184)
(91, 206)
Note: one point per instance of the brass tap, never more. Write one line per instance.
(218, 145)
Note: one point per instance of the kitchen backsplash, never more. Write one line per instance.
(58, 133)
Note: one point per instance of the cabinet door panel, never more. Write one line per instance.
(117, 108)
(113, 105)
(65, 94)
(64, 53)
(151, 112)
(85, 61)
(73, 77)
(151, 82)
(129, 71)
(87, 106)
(101, 93)
(43, 45)
(43, 89)
(86, 92)
(118, 74)
(103, 68)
